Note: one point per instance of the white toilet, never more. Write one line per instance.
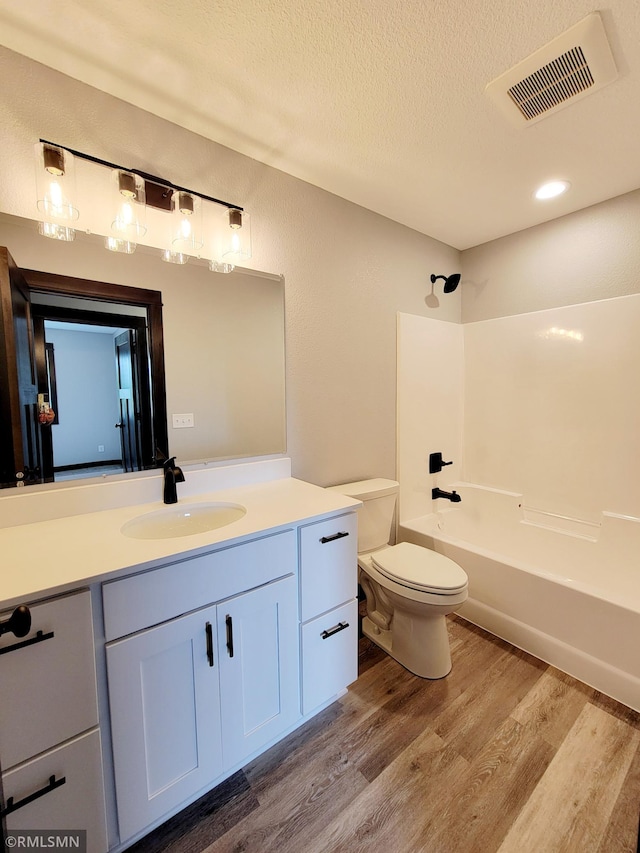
(409, 589)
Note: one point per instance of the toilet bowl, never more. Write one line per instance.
(409, 590)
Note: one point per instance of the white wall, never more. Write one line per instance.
(87, 397)
(347, 271)
(588, 255)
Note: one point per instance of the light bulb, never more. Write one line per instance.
(552, 189)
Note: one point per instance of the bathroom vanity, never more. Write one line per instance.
(155, 668)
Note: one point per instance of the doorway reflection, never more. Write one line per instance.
(96, 373)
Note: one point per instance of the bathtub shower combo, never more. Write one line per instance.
(563, 589)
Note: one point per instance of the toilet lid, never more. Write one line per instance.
(420, 568)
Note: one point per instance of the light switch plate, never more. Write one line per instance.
(182, 421)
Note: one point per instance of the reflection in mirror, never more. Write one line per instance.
(116, 376)
(95, 375)
(223, 342)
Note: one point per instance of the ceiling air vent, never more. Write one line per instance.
(571, 66)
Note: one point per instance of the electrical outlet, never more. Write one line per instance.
(182, 421)
(101, 448)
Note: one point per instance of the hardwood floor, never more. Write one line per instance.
(505, 754)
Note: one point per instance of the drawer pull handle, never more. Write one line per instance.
(335, 630)
(209, 633)
(39, 638)
(229, 624)
(18, 623)
(333, 538)
(13, 807)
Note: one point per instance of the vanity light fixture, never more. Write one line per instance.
(114, 244)
(551, 189)
(187, 226)
(129, 211)
(56, 191)
(237, 237)
(223, 240)
(172, 257)
(221, 266)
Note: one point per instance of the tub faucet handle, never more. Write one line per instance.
(436, 464)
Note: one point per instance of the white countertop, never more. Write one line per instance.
(55, 556)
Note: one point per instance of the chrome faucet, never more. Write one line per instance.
(172, 475)
(453, 496)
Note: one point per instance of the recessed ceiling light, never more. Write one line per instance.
(552, 189)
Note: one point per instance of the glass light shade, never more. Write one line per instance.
(220, 266)
(56, 232)
(116, 244)
(174, 257)
(55, 185)
(186, 213)
(236, 240)
(129, 216)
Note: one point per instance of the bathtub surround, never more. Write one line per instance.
(551, 408)
(429, 408)
(544, 425)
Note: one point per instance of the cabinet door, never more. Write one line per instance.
(259, 659)
(165, 714)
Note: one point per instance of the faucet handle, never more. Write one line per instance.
(436, 464)
(178, 473)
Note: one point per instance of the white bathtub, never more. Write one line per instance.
(565, 590)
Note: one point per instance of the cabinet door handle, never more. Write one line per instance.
(39, 638)
(209, 633)
(335, 536)
(229, 624)
(335, 630)
(13, 807)
(19, 623)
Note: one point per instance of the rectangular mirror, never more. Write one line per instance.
(224, 343)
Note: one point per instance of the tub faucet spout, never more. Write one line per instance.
(453, 496)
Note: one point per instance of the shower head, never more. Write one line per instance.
(450, 281)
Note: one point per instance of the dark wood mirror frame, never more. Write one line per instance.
(13, 430)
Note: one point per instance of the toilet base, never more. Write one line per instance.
(421, 646)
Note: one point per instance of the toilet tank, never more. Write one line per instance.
(375, 517)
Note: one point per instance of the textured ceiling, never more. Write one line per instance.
(377, 101)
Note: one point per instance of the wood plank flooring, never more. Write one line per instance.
(505, 754)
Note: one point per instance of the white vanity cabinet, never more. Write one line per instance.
(329, 608)
(192, 697)
(49, 735)
(208, 649)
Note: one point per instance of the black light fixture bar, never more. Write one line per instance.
(156, 197)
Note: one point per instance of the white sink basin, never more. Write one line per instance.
(182, 520)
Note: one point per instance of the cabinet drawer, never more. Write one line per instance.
(328, 564)
(147, 599)
(48, 686)
(77, 803)
(329, 655)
